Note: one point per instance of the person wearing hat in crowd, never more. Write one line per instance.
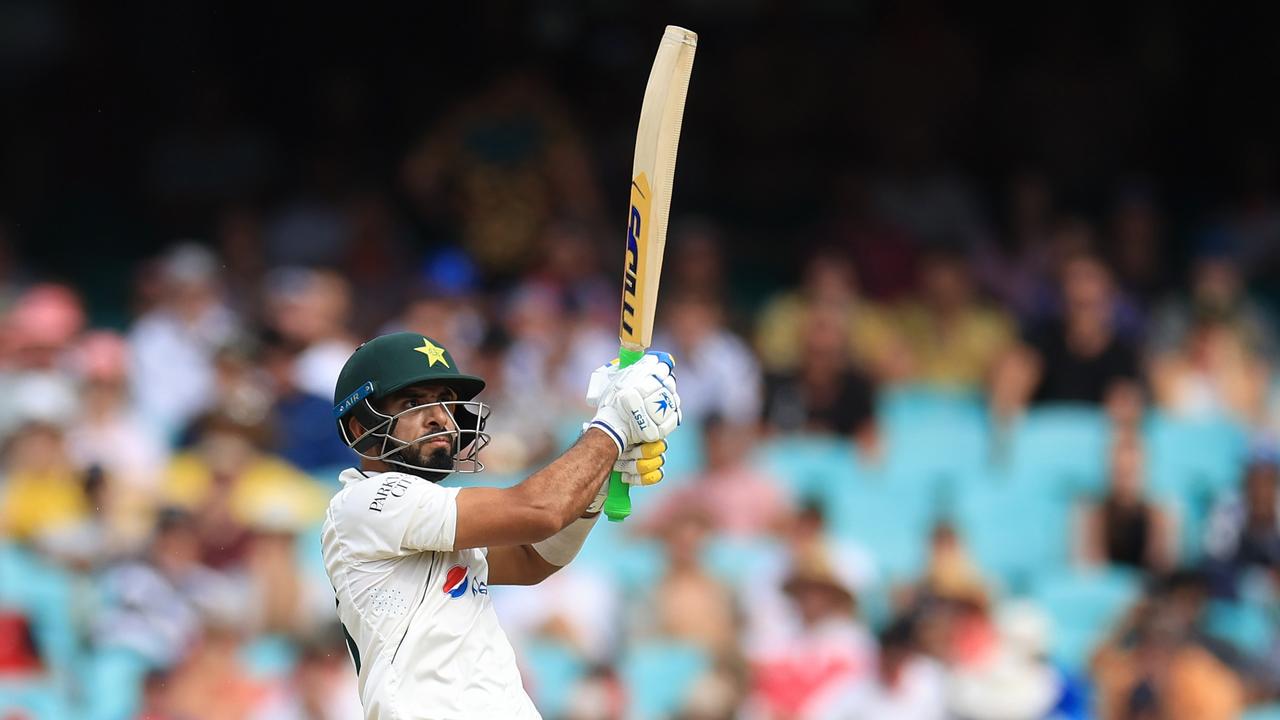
(806, 674)
(412, 561)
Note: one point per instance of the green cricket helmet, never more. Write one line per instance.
(389, 363)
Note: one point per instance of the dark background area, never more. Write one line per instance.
(789, 102)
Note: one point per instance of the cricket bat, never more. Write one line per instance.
(652, 173)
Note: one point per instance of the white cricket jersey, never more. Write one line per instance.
(421, 627)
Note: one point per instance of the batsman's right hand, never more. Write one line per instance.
(636, 404)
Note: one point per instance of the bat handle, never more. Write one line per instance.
(617, 504)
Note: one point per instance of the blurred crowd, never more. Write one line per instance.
(983, 456)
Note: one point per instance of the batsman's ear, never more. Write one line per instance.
(354, 426)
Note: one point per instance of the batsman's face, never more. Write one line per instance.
(420, 414)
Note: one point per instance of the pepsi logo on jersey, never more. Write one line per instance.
(455, 581)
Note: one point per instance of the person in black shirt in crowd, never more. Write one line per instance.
(1125, 527)
(1077, 358)
(826, 393)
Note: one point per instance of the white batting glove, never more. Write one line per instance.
(637, 404)
(641, 465)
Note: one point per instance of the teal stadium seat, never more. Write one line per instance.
(113, 683)
(735, 560)
(554, 669)
(809, 466)
(1014, 531)
(1246, 626)
(933, 437)
(613, 551)
(269, 656)
(1270, 711)
(1064, 447)
(890, 519)
(45, 593)
(660, 676)
(32, 699)
(1189, 465)
(1084, 605)
(1195, 459)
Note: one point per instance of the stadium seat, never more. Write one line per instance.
(112, 685)
(632, 562)
(933, 437)
(734, 560)
(1246, 626)
(893, 520)
(32, 698)
(554, 669)
(269, 656)
(1014, 531)
(907, 404)
(1270, 711)
(1196, 459)
(941, 455)
(45, 593)
(809, 466)
(1084, 606)
(659, 677)
(1190, 464)
(1063, 446)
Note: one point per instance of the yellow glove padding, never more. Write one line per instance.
(642, 464)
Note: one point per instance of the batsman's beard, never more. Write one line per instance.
(430, 457)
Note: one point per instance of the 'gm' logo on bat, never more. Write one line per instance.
(636, 229)
(455, 581)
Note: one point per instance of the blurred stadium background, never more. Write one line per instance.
(1002, 281)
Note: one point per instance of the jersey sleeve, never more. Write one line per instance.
(394, 514)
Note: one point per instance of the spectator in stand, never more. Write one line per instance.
(908, 684)
(738, 499)
(301, 421)
(1016, 264)
(107, 434)
(1136, 235)
(321, 686)
(42, 493)
(174, 343)
(1077, 358)
(1007, 676)
(829, 286)
(802, 675)
(719, 374)
(284, 600)
(945, 335)
(311, 309)
(212, 681)
(1126, 528)
(227, 481)
(1156, 663)
(825, 393)
(688, 603)
(1211, 351)
(445, 305)
(1243, 530)
(154, 606)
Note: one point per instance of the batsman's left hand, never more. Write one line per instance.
(640, 466)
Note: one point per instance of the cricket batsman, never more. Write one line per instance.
(412, 562)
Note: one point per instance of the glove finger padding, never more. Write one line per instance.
(642, 464)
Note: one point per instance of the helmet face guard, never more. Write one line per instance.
(466, 436)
